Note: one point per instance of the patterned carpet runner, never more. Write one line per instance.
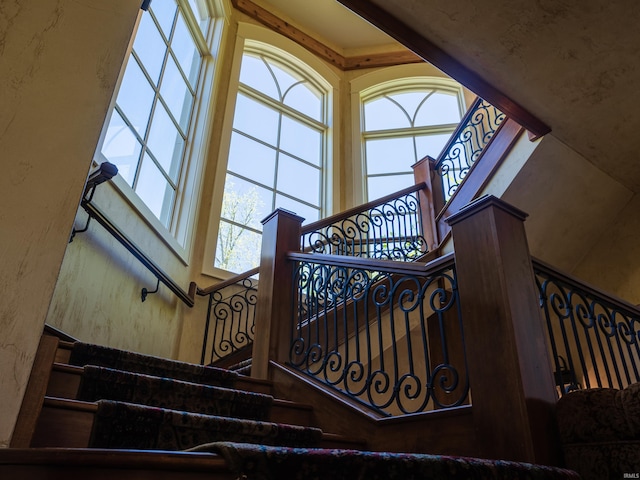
(126, 425)
(100, 383)
(259, 462)
(86, 354)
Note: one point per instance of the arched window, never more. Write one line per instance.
(401, 125)
(276, 154)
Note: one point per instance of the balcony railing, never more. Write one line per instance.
(390, 228)
(388, 336)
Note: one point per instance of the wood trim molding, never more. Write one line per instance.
(414, 41)
(355, 62)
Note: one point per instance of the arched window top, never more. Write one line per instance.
(410, 109)
(282, 85)
(285, 79)
(402, 121)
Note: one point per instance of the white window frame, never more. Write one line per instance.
(179, 236)
(391, 80)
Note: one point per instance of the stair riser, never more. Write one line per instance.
(61, 427)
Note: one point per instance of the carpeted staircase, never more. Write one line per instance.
(148, 414)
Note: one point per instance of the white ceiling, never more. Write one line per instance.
(330, 22)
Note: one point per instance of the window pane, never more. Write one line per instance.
(154, 190)
(238, 249)
(431, 145)
(121, 147)
(176, 94)
(380, 186)
(440, 108)
(246, 203)
(410, 101)
(150, 47)
(383, 114)
(201, 12)
(309, 214)
(252, 159)
(389, 155)
(165, 12)
(299, 179)
(135, 97)
(283, 78)
(305, 100)
(165, 142)
(256, 119)
(255, 74)
(301, 140)
(186, 51)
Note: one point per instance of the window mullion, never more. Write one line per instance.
(251, 92)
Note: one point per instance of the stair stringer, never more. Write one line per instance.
(443, 432)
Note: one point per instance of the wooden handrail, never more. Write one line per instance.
(387, 266)
(230, 281)
(360, 208)
(586, 287)
(95, 213)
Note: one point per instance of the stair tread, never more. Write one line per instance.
(91, 354)
(79, 405)
(76, 370)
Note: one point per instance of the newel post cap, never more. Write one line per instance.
(482, 203)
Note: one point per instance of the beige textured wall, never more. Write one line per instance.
(570, 203)
(97, 297)
(58, 64)
(613, 263)
(580, 219)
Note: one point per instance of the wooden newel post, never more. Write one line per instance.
(512, 388)
(280, 235)
(422, 173)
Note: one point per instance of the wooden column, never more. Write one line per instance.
(422, 173)
(512, 388)
(280, 235)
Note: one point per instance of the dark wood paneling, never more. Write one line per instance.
(35, 392)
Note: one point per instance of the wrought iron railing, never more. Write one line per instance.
(388, 335)
(388, 228)
(476, 129)
(593, 337)
(230, 323)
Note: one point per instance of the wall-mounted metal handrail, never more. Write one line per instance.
(105, 172)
